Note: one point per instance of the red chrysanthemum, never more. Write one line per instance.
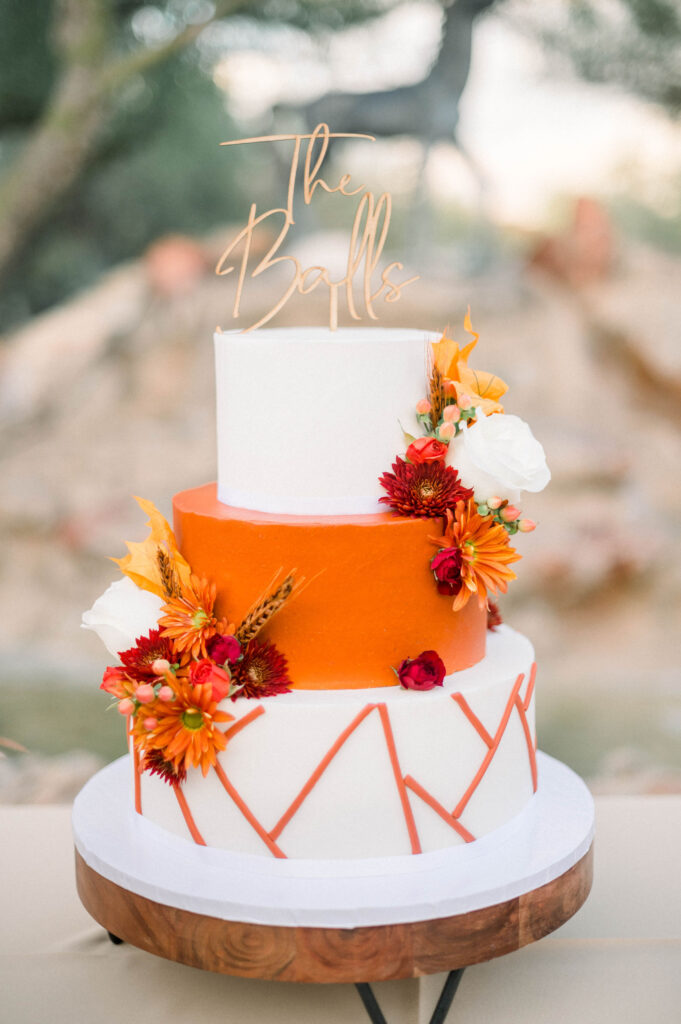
(155, 763)
(427, 489)
(262, 672)
(139, 659)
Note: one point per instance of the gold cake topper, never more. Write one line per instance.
(367, 238)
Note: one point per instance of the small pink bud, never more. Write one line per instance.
(465, 401)
(446, 431)
(126, 706)
(510, 513)
(451, 413)
(423, 407)
(165, 694)
(150, 723)
(145, 693)
(495, 503)
(160, 666)
(526, 525)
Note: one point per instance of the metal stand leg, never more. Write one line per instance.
(447, 996)
(441, 1008)
(370, 1005)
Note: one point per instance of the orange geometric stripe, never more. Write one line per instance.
(399, 781)
(136, 780)
(187, 815)
(528, 739)
(530, 686)
(479, 775)
(247, 813)
(318, 772)
(438, 808)
(473, 719)
(232, 730)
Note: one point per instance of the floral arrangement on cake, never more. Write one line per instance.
(468, 469)
(177, 659)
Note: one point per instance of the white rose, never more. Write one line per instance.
(122, 614)
(499, 457)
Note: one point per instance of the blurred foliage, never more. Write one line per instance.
(635, 44)
(157, 166)
(159, 169)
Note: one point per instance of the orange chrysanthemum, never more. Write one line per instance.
(485, 552)
(185, 731)
(189, 620)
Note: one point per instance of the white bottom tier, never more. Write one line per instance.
(546, 839)
(367, 773)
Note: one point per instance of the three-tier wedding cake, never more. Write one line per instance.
(310, 663)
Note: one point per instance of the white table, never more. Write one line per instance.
(618, 959)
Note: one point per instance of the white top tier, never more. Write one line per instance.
(309, 418)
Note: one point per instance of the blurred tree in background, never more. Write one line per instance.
(109, 130)
(635, 44)
(110, 118)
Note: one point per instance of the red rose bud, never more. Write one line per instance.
(426, 449)
(223, 648)
(205, 673)
(113, 681)
(510, 513)
(525, 526)
(446, 566)
(422, 673)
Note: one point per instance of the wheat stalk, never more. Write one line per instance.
(263, 610)
(436, 395)
(169, 581)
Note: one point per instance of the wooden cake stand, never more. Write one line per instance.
(335, 921)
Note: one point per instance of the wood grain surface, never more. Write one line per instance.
(319, 955)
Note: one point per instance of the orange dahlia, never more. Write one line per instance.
(189, 620)
(484, 549)
(185, 731)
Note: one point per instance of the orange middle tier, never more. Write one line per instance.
(370, 602)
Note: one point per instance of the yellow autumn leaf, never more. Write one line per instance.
(141, 564)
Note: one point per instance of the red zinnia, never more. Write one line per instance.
(262, 672)
(427, 489)
(139, 659)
